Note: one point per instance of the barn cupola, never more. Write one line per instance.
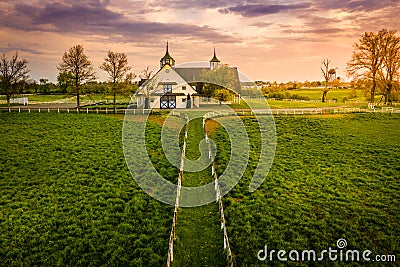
(214, 62)
(167, 59)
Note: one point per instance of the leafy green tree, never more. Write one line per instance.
(44, 86)
(12, 72)
(220, 83)
(116, 65)
(65, 81)
(78, 65)
(222, 95)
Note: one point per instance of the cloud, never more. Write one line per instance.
(255, 10)
(189, 4)
(262, 24)
(357, 5)
(19, 48)
(93, 18)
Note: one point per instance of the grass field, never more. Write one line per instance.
(339, 94)
(67, 197)
(333, 177)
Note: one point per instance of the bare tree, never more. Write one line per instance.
(329, 76)
(12, 71)
(146, 73)
(116, 65)
(148, 88)
(78, 65)
(367, 59)
(390, 62)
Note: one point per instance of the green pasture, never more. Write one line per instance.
(333, 177)
(68, 199)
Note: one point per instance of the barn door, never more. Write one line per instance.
(168, 101)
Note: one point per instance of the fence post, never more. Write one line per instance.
(39, 110)
(48, 110)
(58, 110)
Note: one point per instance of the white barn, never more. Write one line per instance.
(173, 87)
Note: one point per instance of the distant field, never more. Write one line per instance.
(293, 104)
(316, 94)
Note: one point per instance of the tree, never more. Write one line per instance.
(116, 65)
(367, 59)
(329, 76)
(390, 62)
(12, 71)
(146, 73)
(222, 94)
(65, 81)
(44, 86)
(80, 68)
(223, 77)
(335, 82)
(149, 87)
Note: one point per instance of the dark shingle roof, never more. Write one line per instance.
(191, 74)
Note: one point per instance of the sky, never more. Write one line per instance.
(269, 40)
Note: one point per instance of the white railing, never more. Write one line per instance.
(172, 236)
(75, 110)
(227, 246)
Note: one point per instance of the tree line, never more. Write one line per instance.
(76, 76)
(374, 65)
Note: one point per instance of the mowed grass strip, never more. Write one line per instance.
(199, 236)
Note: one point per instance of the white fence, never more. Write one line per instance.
(76, 110)
(21, 101)
(172, 236)
(227, 246)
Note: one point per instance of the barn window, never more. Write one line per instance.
(167, 88)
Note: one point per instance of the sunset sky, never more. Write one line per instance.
(267, 40)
